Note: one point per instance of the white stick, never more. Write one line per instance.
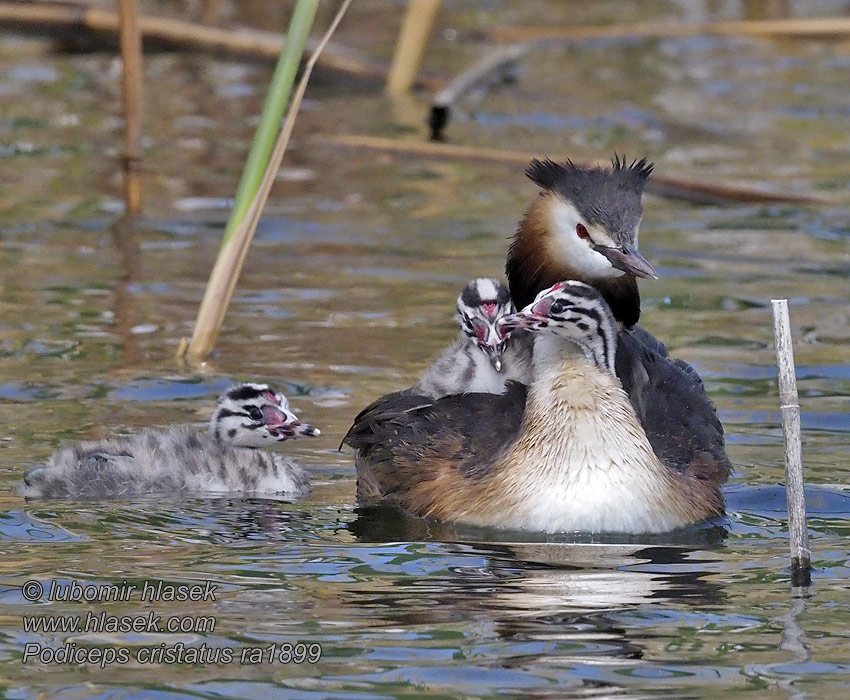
(797, 528)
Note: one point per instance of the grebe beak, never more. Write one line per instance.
(304, 430)
(284, 425)
(494, 352)
(524, 320)
(627, 259)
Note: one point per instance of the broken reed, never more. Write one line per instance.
(798, 531)
(411, 44)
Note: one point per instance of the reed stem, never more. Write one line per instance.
(235, 247)
(101, 23)
(675, 187)
(800, 28)
(410, 48)
(231, 255)
(278, 95)
(131, 58)
(496, 65)
(797, 528)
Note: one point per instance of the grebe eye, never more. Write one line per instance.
(581, 231)
(560, 307)
(254, 413)
(479, 329)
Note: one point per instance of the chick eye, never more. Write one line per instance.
(479, 328)
(581, 231)
(563, 309)
(253, 412)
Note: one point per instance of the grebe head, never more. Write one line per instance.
(482, 302)
(574, 311)
(256, 415)
(594, 214)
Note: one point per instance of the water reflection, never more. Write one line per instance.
(16, 526)
(384, 523)
(549, 592)
(544, 606)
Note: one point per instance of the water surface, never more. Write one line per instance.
(346, 294)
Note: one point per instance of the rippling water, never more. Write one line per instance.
(346, 294)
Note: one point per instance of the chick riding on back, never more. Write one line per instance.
(482, 359)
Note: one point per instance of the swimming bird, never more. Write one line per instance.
(482, 359)
(584, 225)
(566, 453)
(227, 458)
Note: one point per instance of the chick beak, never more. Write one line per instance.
(494, 352)
(627, 259)
(525, 320)
(284, 425)
(304, 430)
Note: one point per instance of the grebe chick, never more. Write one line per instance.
(184, 458)
(482, 359)
(567, 454)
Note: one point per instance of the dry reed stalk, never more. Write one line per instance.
(798, 531)
(803, 28)
(410, 48)
(128, 273)
(663, 185)
(231, 257)
(239, 42)
(131, 83)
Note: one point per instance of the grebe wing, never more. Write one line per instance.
(404, 439)
(671, 403)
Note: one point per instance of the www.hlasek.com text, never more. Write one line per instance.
(95, 622)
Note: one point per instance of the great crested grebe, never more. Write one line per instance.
(228, 458)
(482, 359)
(567, 453)
(584, 226)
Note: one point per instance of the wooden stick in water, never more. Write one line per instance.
(796, 28)
(410, 49)
(797, 528)
(131, 59)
